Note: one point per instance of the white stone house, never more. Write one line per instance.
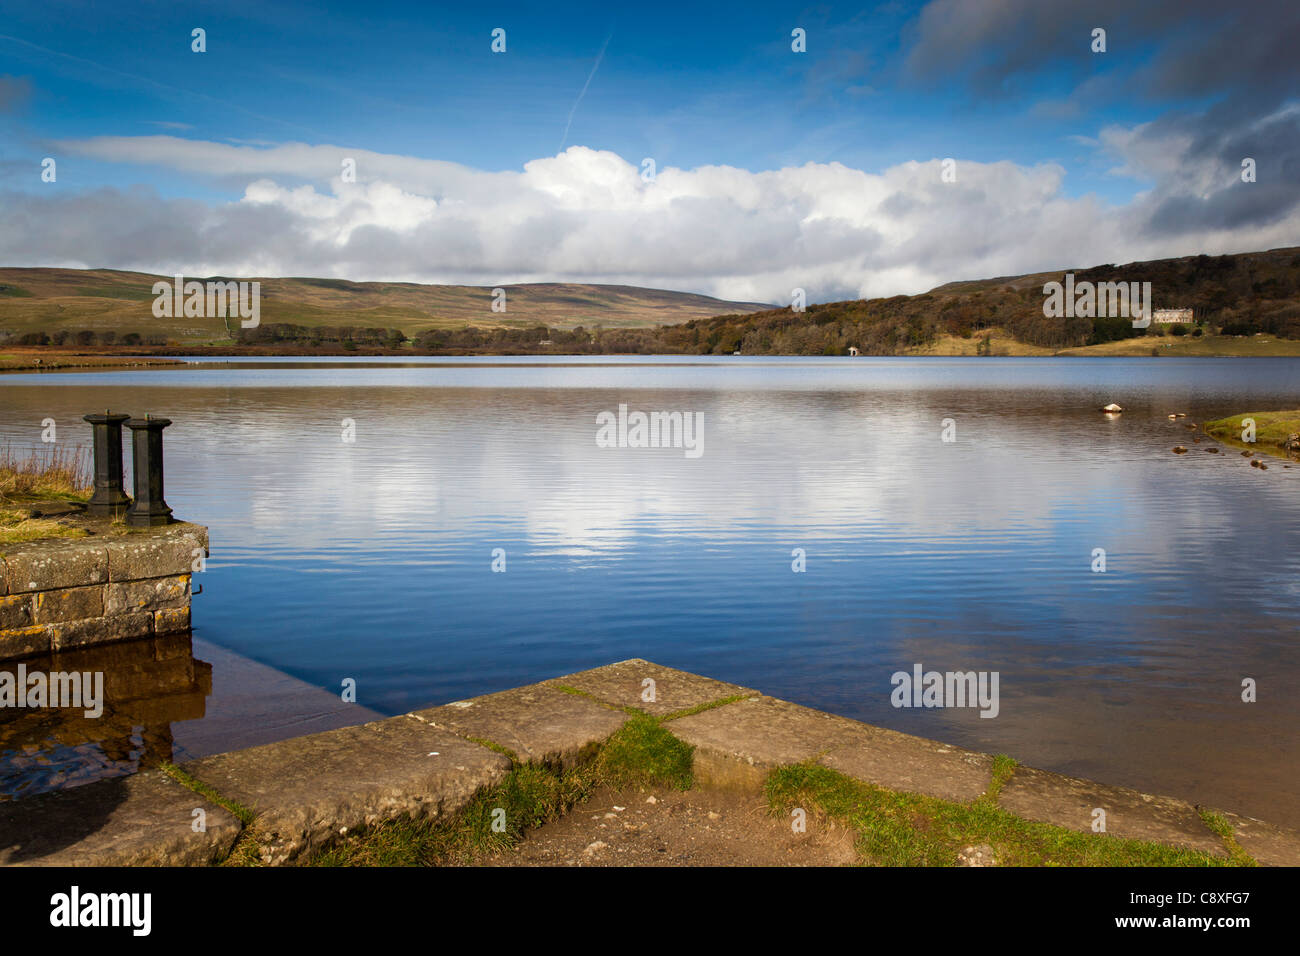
(1171, 316)
(853, 350)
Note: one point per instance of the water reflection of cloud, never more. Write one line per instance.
(973, 554)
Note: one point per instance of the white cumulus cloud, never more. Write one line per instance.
(587, 215)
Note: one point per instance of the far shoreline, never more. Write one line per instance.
(39, 358)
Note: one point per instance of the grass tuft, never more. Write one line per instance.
(1004, 768)
(905, 829)
(1219, 825)
(643, 753)
(494, 821)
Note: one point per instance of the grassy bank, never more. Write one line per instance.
(1271, 429)
(41, 359)
(59, 474)
(1186, 346)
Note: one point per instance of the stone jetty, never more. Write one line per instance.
(299, 795)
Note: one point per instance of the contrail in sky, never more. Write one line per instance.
(600, 56)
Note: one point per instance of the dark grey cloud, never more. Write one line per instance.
(1223, 74)
(1188, 48)
(1213, 160)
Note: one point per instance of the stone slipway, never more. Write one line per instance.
(144, 820)
(431, 763)
(306, 790)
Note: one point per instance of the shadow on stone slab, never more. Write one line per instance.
(539, 724)
(1069, 802)
(305, 791)
(623, 685)
(1270, 845)
(143, 820)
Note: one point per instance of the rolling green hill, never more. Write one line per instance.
(98, 300)
(1243, 304)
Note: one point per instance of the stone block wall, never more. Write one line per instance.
(64, 593)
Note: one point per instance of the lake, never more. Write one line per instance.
(372, 559)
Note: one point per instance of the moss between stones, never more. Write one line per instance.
(701, 708)
(245, 851)
(575, 692)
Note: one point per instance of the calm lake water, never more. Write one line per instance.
(372, 560)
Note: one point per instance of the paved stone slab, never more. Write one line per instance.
(143, 820)
(897, 761)
(1068, 802)
(622, 684)
(1270, 845)
(736, 745)
(538, 723)
(165, 551)
(306, 790)
(154, 594)
(55, 563)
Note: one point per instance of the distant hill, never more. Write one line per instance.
(50, 301)
(1245, 294)
(1243, 304)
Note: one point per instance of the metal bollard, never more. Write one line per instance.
(149, 508)
(109, 500)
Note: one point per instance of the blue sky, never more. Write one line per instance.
(691, 86)
(696, 87)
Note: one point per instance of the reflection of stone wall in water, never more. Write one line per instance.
(148, 685)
